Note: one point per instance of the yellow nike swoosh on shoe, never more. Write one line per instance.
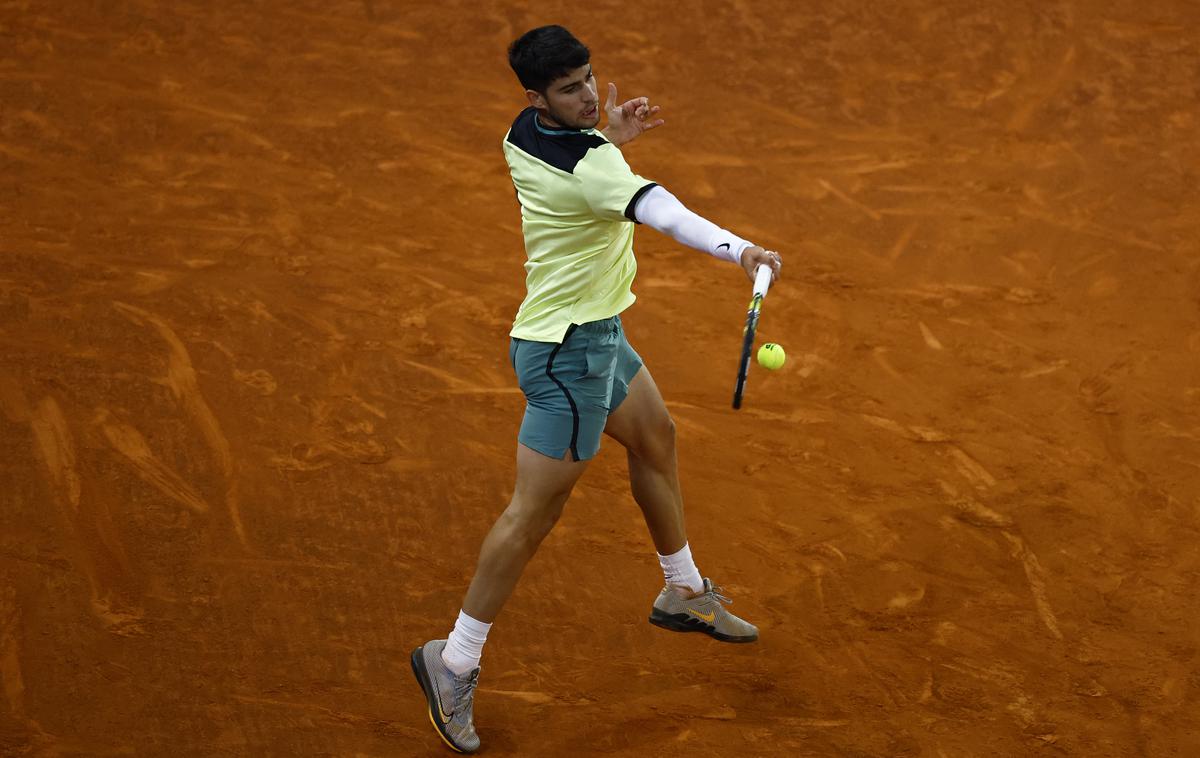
(437, 697)
(706, 616)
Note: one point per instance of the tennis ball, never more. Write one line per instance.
(771, 356)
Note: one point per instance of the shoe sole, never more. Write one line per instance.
(417, 659)
(682, 622)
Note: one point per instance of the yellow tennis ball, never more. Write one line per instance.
(771, 356)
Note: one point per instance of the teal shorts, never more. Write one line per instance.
(571, 387)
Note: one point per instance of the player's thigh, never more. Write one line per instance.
(542, 481)
(642, 423)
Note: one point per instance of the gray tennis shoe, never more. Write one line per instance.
(704, 613)
(450, 697)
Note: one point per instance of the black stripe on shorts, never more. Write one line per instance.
(561, 386)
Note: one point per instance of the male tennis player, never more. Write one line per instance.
(581, 378)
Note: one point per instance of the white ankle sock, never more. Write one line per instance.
(464, 646)
(679, 569)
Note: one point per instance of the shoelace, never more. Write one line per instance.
(715, 592)
(464, 690)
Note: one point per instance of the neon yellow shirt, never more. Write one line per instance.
(577, 195)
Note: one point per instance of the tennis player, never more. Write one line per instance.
(580, 376)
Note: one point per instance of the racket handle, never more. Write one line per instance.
(762, 280)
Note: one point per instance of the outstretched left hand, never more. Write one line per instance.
(629, 119)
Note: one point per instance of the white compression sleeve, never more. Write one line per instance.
(662, 211)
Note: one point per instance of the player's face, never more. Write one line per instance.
(570, 100)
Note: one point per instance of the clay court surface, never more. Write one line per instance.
(258, 266)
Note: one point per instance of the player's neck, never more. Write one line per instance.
(548, 123)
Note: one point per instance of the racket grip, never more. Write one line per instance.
(762, 279)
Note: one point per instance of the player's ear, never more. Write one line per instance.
(536, 99)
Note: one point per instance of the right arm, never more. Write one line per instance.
(662, 211)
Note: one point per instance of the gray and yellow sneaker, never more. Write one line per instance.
(703, 613)
(450, 697)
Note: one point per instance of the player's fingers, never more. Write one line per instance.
(637, 105)
(776, 264)
(768, 258)
(612, 97)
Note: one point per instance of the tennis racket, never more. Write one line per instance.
(762, 282)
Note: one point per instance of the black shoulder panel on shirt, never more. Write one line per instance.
(561, 148)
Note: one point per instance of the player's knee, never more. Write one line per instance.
(660, 438)
(667, 430)
(529, 523)
(655, 442)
